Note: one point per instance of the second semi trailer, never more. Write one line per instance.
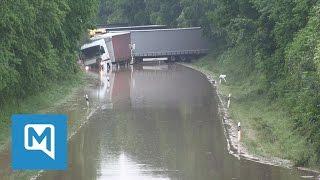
(179, 43)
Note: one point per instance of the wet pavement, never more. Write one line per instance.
(154, 122)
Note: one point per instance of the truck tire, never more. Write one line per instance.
(172, 58)
(183, 58)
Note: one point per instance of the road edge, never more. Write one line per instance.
(236, 149)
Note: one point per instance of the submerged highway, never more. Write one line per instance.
(150, 122)
(157, 122)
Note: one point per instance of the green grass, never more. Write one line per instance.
(266, 126)
(55, 94)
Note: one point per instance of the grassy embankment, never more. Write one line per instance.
(266, 126)
(55, 94)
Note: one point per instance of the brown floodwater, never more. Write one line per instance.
(155, 122)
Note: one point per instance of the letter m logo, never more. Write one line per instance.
(40, 137)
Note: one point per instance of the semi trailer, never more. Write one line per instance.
(174, 44)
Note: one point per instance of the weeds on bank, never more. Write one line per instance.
(55, 93)
(266, 127)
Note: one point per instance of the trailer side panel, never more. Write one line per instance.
(121, 47)
(167, 42)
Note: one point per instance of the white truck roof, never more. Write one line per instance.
(93, 43)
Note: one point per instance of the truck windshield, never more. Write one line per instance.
(91, 52)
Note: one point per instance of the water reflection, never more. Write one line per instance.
(123, 167)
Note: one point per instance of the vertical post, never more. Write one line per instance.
(239, 139)
(132, 47)
(108, 82)
(87, 99)
(239, 132)
(229, 101)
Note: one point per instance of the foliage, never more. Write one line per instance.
(38, 43)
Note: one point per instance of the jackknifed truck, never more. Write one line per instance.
(120, 47)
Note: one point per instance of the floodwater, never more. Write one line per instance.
(156, 122)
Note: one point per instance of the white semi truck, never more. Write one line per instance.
(96, 53)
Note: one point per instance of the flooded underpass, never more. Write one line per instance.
(156, 122)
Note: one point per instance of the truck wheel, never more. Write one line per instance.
(173, 58)
(188, 58)
(183, 58)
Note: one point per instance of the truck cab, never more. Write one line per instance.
(96, 53)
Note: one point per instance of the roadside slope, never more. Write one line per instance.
(267, 134)
(55, 95)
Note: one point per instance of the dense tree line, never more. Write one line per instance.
(276, 43)
(39, 42)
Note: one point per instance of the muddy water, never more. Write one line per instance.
(156, 122)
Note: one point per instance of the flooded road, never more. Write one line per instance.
(156, 122)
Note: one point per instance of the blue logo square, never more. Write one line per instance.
(39, 141)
